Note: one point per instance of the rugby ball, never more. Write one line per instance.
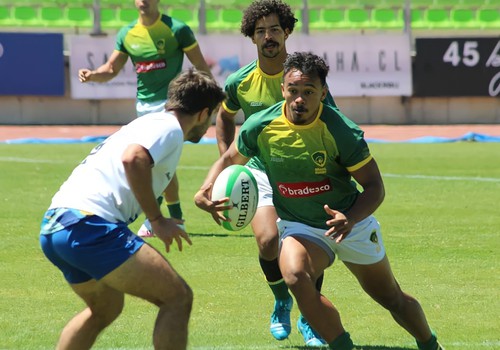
(238, 183)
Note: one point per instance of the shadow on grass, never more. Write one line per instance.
(358, 347)
(241, 235)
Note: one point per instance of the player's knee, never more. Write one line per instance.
(181, 297)
(296, 280)
(103, 317)
(268, 245)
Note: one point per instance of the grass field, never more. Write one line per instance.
(440, 221)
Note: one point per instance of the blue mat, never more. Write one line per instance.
(469, 137)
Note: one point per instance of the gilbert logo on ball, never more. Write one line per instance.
(238, 183)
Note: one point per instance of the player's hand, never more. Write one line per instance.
(214, 207)
(168, 230)
(84, 75)
(340, 224)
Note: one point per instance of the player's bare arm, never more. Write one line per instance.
(225, 128)
(369, 178)
(137, 163)
(197, 60)
(107, 71)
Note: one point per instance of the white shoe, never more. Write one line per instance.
(145, 230)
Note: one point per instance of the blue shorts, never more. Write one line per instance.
(90, 248)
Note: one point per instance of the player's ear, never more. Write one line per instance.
(203, 115)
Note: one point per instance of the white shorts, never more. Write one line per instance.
(265, 189)
(363, 245)
(144, 108)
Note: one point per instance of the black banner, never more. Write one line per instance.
(457, 67)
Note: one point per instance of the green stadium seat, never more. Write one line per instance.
(438, 18)
(358, 17)
(387, 18)
(329, 19)
(109, 18)
(324, 4)
(369, 3)
(472, 3)
(6, 19)
(187, 3)
(489, 18)
(26, 16)
(231, 19)
(315, 21)
(421, 3)
(339, 3)
(447, 3)
(186, 15)
(52, 16)
(79, 17)
(212, 19)
(417, 19)
(463, 18)
(117, 3)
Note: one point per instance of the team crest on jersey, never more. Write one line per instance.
(319, 158)
(160, 45)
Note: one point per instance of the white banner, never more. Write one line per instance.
(91, 52)
(360, 65)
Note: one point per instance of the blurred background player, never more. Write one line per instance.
(156, 44)
(253, 88)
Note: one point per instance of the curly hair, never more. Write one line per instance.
(308, 63)
(262, 8)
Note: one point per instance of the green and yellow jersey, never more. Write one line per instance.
(307, 165)
(252, 90)
(157, 52)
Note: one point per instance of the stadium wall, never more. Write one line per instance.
(396, 108)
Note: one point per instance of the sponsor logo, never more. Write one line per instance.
(255, 104)
(277, 159)
(304, 189)
(243, 206)
(144, 67)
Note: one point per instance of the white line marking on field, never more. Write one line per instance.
(195, 167)
(444, 178)
(28, 160)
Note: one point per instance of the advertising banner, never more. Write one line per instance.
(360, 65)
(31, 64)
(457, 67)
(91, 52)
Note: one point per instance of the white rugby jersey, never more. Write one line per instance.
(99, 185)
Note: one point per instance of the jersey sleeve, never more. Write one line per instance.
(248, 135)
(231, 104)
(184, 35)
(353, 149)
(120, 40)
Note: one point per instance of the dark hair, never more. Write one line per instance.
(192, 91)
(262, 8)
(307, 63)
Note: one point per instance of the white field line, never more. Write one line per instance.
(403, 176)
